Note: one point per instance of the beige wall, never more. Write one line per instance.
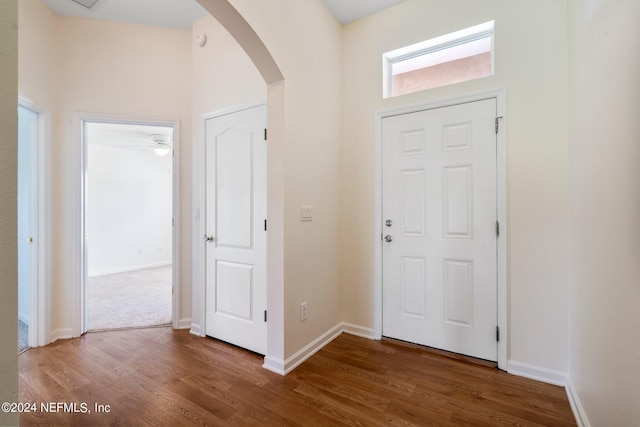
(124, 69)
(304, 39)
(8, 208)
(537, 153)
(223, 77)
(70, 65)
(38, 86)
(604, 349)
(37, 59)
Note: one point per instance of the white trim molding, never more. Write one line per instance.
(183, 324)
(538, 373)
(129, 269)
(39, 311)
(275, 365)
(60, 334)
(576, 406)
(79, 254)
(359, 331)
(196, 330)
(283, 367)
(500, 95)
(304, 353)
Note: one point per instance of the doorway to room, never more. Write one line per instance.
(27, 224)
(129, 221)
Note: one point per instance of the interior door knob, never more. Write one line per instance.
(209, 238)
(388, 238)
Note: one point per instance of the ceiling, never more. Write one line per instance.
(159, 13)
(182, 13)
(128, 136)
(351, 10)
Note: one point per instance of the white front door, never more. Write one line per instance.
(235, 238)
(439, 220)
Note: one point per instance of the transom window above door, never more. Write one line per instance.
(452, 58)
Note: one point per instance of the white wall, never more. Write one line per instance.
(8, 208)
(129, 209)
(531, 63)
(604, 349)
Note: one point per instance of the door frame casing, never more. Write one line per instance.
(199, 247)
(39, 322)
(80, 259)
(500, 95)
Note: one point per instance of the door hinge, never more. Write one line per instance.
(497, 229)
(498, 123)
(498, 333)
(265, 134)
(265, 225)
(265, 315)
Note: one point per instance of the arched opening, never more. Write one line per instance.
(247, 38)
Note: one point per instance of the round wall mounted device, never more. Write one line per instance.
(201, 39)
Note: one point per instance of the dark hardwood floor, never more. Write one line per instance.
(162, 377)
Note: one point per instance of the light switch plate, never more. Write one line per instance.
(306, 213)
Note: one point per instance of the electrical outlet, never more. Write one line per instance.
(304, 311)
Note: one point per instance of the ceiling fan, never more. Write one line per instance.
(161, 144)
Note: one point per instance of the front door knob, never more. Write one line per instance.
(388, 238)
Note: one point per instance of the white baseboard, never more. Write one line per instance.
(576, 407)
(537, 373)
(312, 348)
(274, 364)
(61, 334)
(184, 324)
(196, 329)
(283, 367)
(128, 269)
(358, 330)
(23, 317)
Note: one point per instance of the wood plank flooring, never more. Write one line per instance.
(161, 377)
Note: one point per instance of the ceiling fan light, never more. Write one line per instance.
(161, 151)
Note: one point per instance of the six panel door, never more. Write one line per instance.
(439, 211)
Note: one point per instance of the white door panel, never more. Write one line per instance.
(235, 215)
(439, 194)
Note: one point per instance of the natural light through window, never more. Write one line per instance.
(456, 57)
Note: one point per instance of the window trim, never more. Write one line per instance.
(430, 46)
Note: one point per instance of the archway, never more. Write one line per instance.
(247, 38)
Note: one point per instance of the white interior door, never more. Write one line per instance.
(27, 216)
(235, 238)
(439, 213)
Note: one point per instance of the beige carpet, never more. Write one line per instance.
(134, 299)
